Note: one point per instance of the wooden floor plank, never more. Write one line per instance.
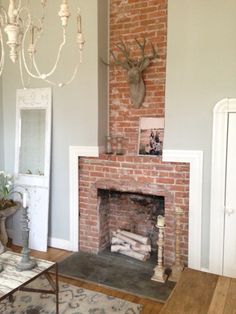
(230, 303)
(219, 298)
(192, 294)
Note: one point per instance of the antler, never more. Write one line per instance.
(141, 46)
(154, 53)
(145, 60)
(128, 62)
(122, 47)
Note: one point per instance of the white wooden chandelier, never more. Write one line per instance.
(23, 32)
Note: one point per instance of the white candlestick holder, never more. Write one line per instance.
(159, 271)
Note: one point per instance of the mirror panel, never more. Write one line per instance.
(32, 147)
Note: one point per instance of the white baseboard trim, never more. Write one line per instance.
(52, 242)
(195, 158)
(205, 270)
(59, 244)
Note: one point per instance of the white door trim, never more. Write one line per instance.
(219, 145)
(74, 153)
(195, 158)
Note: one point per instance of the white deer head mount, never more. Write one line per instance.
(135, 69)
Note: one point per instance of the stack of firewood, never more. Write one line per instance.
(131, 244)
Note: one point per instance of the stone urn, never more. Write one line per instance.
(4, 214)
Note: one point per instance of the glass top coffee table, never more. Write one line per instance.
(12, 280)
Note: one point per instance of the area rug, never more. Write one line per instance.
(118, 272)
(72, 300)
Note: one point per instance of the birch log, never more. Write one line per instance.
(137, 255)
(131, 244)
(118, 247)
(142, 247)
(126, 239)
(115, 240)
(137, 237)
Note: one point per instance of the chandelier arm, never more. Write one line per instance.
(73, 75)
(20, 12)
(39, 74)
(27, 27)
(56, 62)
(26, 8)
(5, 14)
(25, 85)
(29, 71)
(40, 20)
(21, 72)
(23, 52)
(19, 6)
(64, 83)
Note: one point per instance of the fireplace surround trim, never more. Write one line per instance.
(75, 152)
(194, 157)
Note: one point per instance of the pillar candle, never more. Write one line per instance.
(79, 28)
(160, 221)
(24, 200)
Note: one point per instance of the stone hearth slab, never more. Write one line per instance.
(117, 271)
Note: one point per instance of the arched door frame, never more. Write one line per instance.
(219, 146)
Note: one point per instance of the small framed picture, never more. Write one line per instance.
(151, 134)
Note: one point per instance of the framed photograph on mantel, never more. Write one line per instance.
(151, 134)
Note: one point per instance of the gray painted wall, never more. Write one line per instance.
(201, 70)
(75, 107)
(103, 32)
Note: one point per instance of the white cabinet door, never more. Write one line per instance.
(229, 259)
(32, 163)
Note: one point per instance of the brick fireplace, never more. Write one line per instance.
(129, 173)
(134, 174)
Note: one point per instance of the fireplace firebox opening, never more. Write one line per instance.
(128, 211)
